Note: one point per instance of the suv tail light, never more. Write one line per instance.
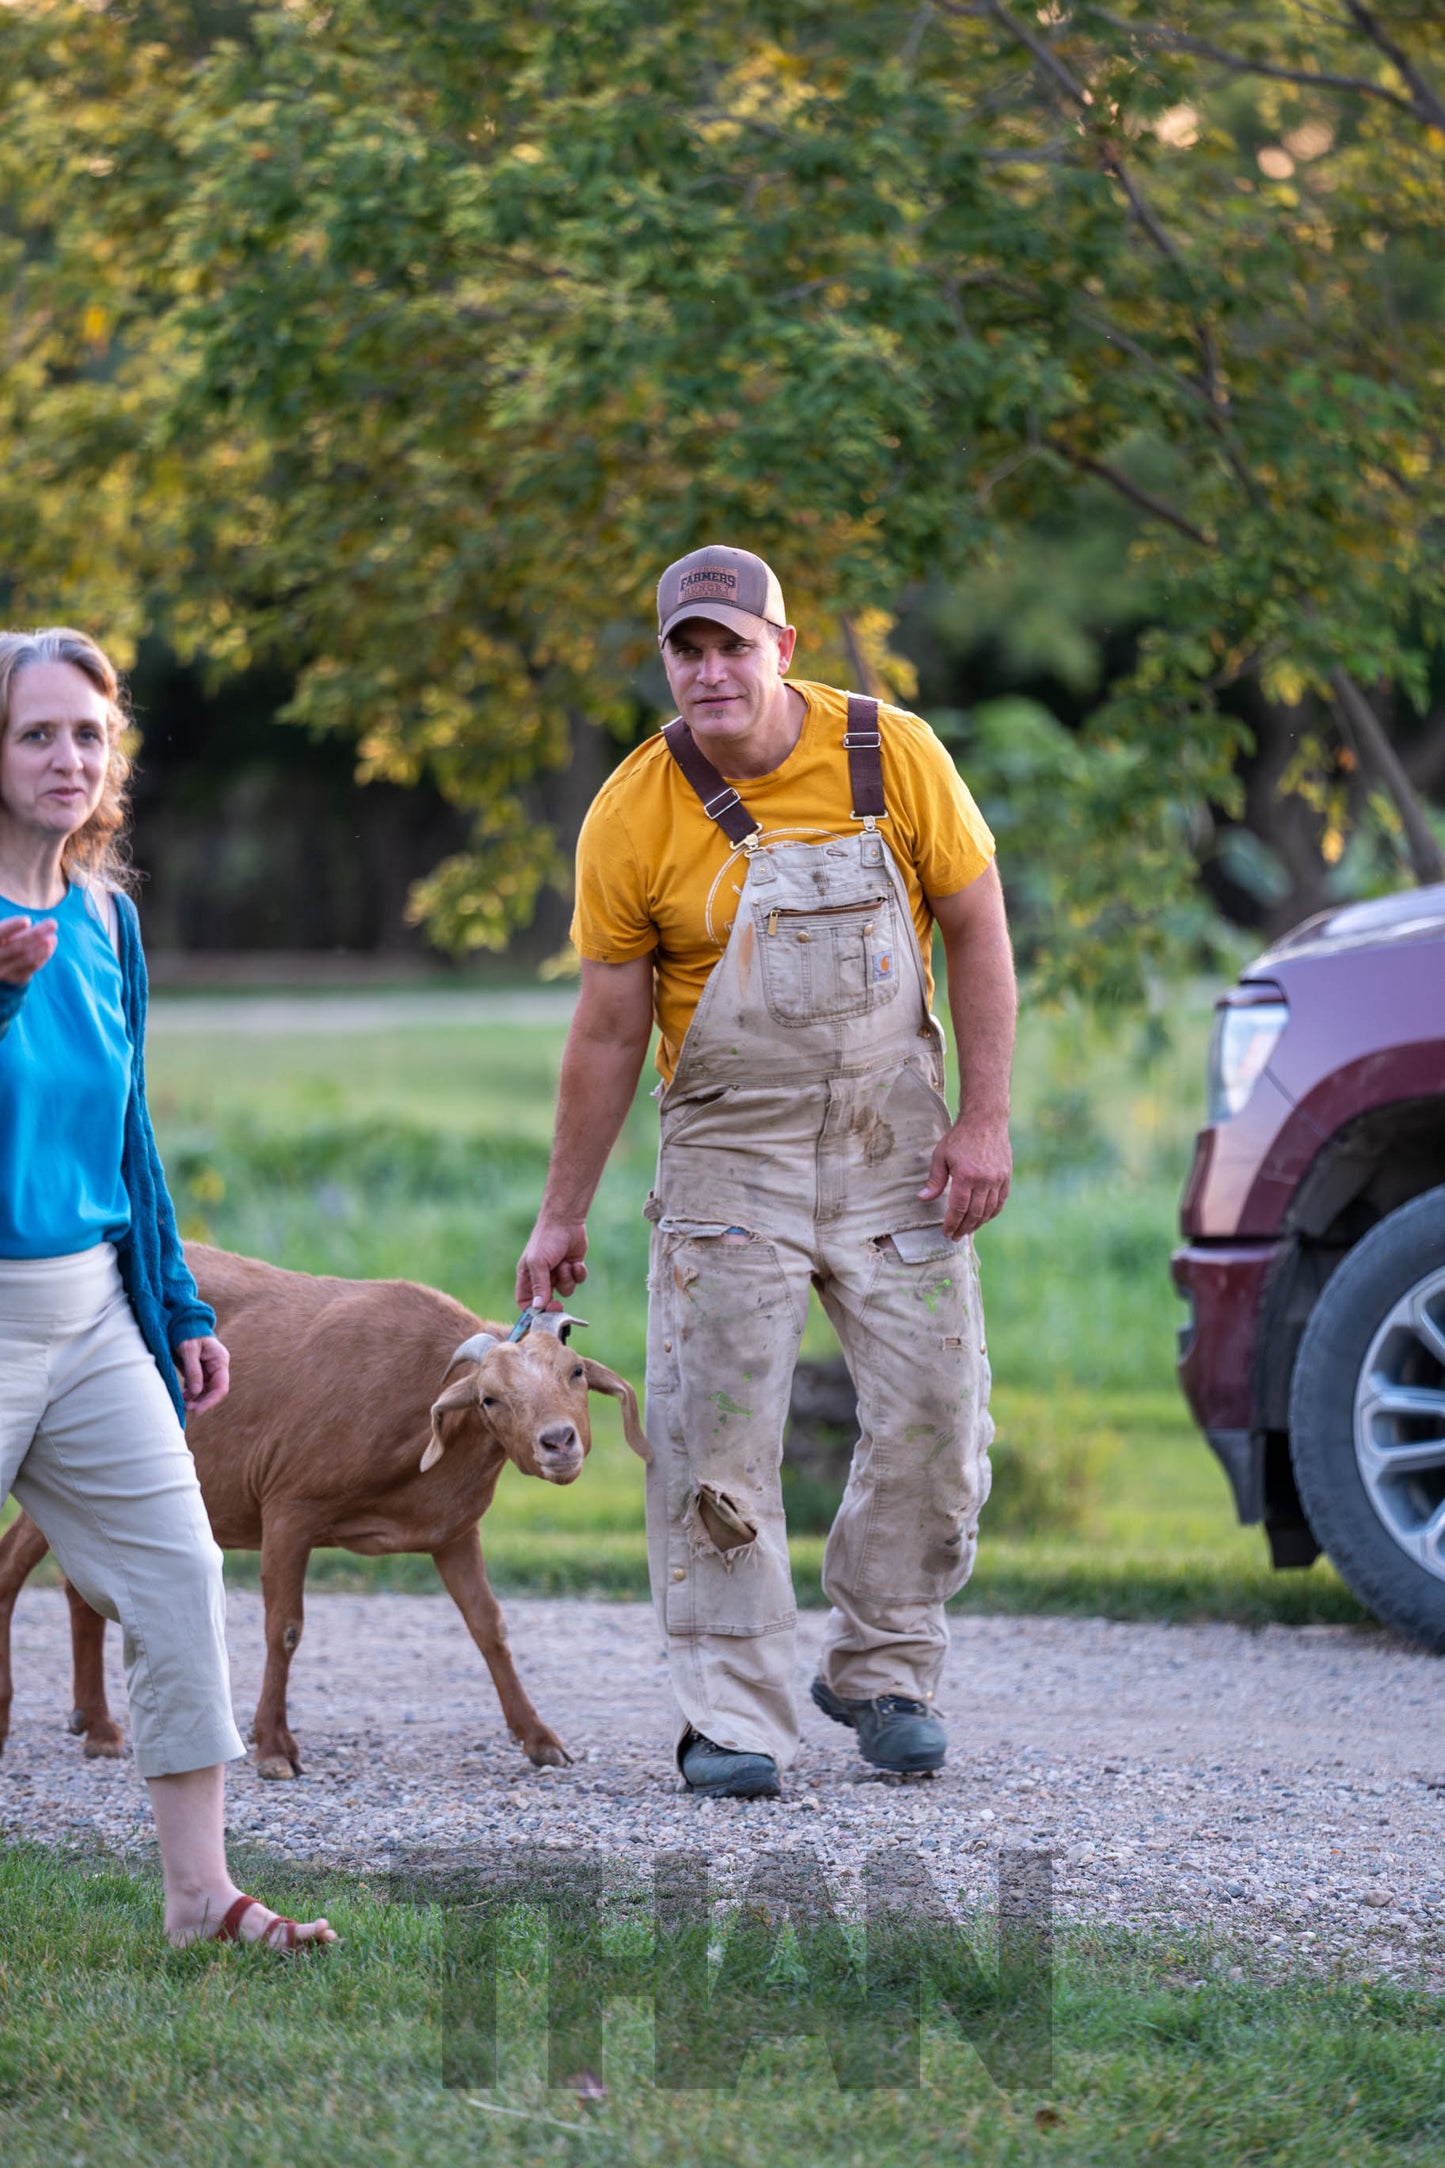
(1247, 1029)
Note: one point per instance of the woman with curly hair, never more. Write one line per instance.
(104, 1341)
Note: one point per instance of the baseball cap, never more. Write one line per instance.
(727, 587)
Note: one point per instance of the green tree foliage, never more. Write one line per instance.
(405, 341)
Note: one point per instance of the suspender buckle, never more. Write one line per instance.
(863, 744)
(722, 803)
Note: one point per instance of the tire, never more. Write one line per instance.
(1367, 1420)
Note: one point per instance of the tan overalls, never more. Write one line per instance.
(796, 1134)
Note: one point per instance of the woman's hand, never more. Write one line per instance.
(25, 946)
(205, 1369)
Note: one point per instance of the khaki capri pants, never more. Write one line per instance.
(90, 1446)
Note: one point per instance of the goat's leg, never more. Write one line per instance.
(21, 1549)
(285, 1549)
(461, 1568)
(104, 1740)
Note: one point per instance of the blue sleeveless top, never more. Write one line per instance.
(66, 1065)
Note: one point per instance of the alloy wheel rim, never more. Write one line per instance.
(1400, 1423)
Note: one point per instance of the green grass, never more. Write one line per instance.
(422, 1153)
(1161, 1542)
(1176, 2053)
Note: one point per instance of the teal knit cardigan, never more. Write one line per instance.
(153, 1268)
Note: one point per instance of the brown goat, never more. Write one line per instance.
(374, 1415)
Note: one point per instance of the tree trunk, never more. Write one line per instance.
(1366, 734)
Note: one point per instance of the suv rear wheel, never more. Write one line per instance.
(1367, 1419)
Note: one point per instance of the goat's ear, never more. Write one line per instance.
(461, 1395)
(600, 1380)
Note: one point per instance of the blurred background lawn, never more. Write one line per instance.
(419, 1151)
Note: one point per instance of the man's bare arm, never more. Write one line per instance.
(975, 1157)
(600, 1067)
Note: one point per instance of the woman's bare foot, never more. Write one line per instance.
(203, 1903)
(229, 1917)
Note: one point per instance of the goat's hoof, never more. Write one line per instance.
(277, 1769)
(104, 1742)
(548, 1753)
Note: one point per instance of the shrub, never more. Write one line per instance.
(1049, 1457)
(1049, 1461)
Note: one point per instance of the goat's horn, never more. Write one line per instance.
(473, 1350)
(556, 1322)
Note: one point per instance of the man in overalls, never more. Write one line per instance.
(763, 877)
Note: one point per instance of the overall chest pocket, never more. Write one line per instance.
(825, 961)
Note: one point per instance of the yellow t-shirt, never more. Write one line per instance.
(656, 876)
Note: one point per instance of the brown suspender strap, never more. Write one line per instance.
(865, 758)
(720, 801)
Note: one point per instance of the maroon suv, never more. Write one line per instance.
(1314, 1258)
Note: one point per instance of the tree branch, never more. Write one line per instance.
(984, 488)
(916, 29)
(1215, 394)
(1022, 35)
(1427, 100)
(1143, 498)
(858, 662)
(1201, 394)
(1043, 154)
(1111, 158)
(1425, 763)
(1367, 733)
(1114, 165)
(1113, 336)
(753, 123)
(1183, 42)
(790, 294)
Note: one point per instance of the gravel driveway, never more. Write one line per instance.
(1286, 1788)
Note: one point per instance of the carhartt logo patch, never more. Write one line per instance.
(711, 584)
(883, 964)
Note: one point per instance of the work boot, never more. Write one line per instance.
(725, 1772)
(894, 1733)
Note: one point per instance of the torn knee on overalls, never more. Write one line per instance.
(715, 1526)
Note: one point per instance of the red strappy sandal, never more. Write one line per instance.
(288, 1941)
